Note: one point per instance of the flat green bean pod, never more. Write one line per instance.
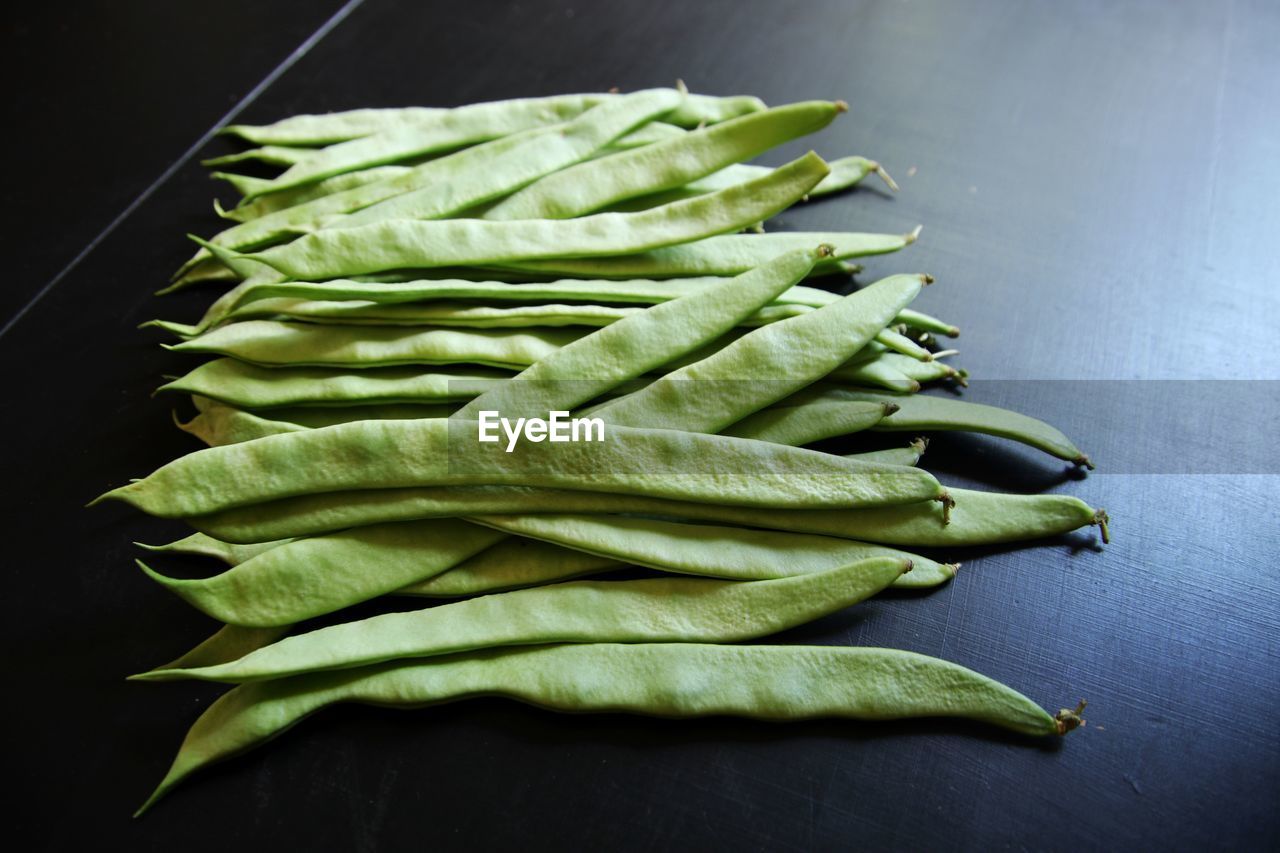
(249, 386)
(797, 425)
(656, 610)
(662, 679)
(595, 184)
(846, 172)
(922, 413)
(513, 563)
(768, 364)
(399, 244)
(425, 293)
(978, 518)
(271, 155)
(330, 128)
(219, 424)
(541, 155)
(599, 362)
(445, 452)
(300, 195)
(313, 576)
(717, 551)
(454, 129)
(729, 254)
(909, 455)
(206, 546)
(228, 643)
(271, 342)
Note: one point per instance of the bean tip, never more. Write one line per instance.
(1103, 521)
(842, 106)
(907, 565)
(826, 250)
(884, 176)
(1083, 461)
(926, 279)
(890, 408)
(914, 235)
(948, 503)
(1068, 719)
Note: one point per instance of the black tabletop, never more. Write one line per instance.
(1098, 186)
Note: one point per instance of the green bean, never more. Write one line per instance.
(304, 218)
(979, 518)
(395, 454)
(271, 155)
(900, 343)
(797, 425)
(457, 128)
(292, 198)
(270, 342)
(920, 320)
(775, 360)
(219, 424)
(353, 124)
(846, 172)
(662, 679)
(543, 155)
(909, 455)
(599, 362)
(595, 184)
(642, 291)
(716, 551)
(923, 413)
(731, 254)
(653, 610)
(249, 386)
(876, 371)
(313, 576)
(206, 546)
(229, 643)
(397, 244)
(513, 563)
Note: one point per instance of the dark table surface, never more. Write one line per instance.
(1098, 183)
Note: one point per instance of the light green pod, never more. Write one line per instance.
(201, 545)
(228, 643)
(500, 116)
(271, 342)
(270, 155)
(545, 154)
(445, 452)
(657, 610)
(313, 576)
(846, 172)
(663, 679)
(249, 386)
(514, 563)
(451, 130)
(595, 184)
(292, 198)
(400, 244)
(218, 424)
(599, 362)
(923, 413)
(767, 364)
(730, 254)
(797, 425)
(925, 322)
(909, 455)
(716, 551)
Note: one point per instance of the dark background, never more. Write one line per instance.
(1099, 187)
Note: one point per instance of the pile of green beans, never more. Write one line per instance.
(409, 271)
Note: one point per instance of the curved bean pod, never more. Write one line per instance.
(767, 364)
(670, 680)
(513, 563)
(595, 184)
(228, 643)
(451, 130)
(301, 195)
(206, 546)
(445, 452)
(272, 342)
(542, 155)
(716, 551)
(271, 155)
(656, 610)
(909, 455)
(978, 518)
(922, 413)
(310, 577)
(729, 254)
(330, 128)
(249, 386)
(399, 244)
(797, 425)
(599, 362)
